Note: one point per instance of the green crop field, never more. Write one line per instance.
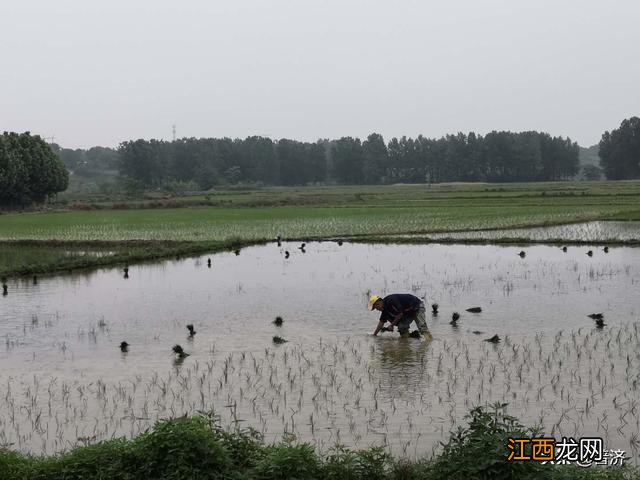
(422, 194)
(319, 212)
(210, 224)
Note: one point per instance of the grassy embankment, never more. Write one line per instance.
(135, 232)
(196, 448)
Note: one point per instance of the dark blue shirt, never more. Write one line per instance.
(399, 303)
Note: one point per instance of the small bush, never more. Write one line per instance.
(179, 449)
(344, 464)
(14, 466)
(245, 447)
(480, 450)
(111, 459)
(287, 461)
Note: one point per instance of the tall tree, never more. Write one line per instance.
(29, 170)
(348, 161)
(258, 160)
(374, 159)
(620, 151)
(292, 158)
(317, 162)
(145, 161)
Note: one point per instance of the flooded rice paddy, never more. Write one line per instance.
(608, 231)
(64, 381)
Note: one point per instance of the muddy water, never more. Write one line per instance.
(64, 380)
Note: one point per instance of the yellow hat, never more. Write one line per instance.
(373, 299)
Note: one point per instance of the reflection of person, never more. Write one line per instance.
(399, 367)
(392, 353)
(400, 309)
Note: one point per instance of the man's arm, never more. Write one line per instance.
(395, 321)
(379, 327)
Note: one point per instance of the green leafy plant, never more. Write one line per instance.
(286, 460)
(479, 451)
(345, 464)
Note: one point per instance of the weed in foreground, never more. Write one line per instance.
(198, 448)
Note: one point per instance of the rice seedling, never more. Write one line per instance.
(320, 391)
(179, 351)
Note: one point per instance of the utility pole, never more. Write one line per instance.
(50, 139)
(173, 128)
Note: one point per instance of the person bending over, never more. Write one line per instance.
(401, 310)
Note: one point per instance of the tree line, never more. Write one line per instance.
(30, 171)
(93, 162)
(495, 157)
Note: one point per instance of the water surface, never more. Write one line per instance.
(66, 382)
(609, 231)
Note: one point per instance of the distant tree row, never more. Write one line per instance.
(620, 151)
(95, 161)
(496, 157)
(29, 170)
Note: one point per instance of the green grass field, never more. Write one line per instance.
(321, 212)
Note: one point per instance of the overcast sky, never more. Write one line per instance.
(98, 73)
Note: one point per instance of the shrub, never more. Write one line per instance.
(245, 447)
(480, 450)
(14, 466)
(196, 448)
(181, 448)
(287, 461)
(344, 464)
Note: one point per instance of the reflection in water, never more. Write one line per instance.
(401, 363)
